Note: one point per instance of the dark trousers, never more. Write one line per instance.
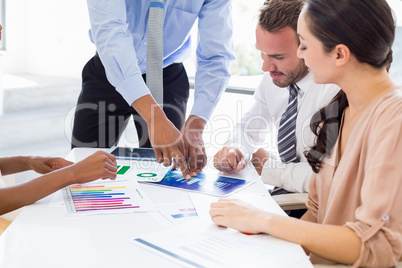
(102, 114)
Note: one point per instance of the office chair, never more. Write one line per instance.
(291, 201)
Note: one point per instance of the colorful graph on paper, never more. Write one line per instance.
(121, 170)
(140, 170)
(178, 213)
(105, 197)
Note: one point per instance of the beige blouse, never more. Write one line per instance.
(363, 190)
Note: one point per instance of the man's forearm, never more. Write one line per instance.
(148, 109)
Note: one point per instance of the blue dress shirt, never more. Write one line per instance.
(119, 31)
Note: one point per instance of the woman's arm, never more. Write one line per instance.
(15, 164)
(99, 165)
(336, 243)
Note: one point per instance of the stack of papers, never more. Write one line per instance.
(206, 245)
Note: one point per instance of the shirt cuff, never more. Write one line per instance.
(203, 108)
(133, 88)
(271, 172)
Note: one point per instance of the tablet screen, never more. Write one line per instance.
(146, 154)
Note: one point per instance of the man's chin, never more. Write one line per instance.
(280, 82)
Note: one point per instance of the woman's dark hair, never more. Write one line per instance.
(325, 125)
(367, 28)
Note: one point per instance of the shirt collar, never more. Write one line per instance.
(305, 84)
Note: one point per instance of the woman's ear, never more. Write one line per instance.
(341, 54)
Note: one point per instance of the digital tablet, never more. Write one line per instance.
(144, 154)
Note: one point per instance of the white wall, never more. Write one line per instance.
(47, 37)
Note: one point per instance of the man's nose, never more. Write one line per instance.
(268, 65)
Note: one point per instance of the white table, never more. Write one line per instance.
(44, 236)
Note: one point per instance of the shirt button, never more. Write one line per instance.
(145, 43)
(385, 217)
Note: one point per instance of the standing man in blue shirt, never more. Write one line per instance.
(113, 85)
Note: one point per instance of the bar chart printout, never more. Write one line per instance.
(105, 197)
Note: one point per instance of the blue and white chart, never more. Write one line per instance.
(203, 183)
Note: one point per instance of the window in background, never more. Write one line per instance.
(2, 22)
(396, 67)
(248, 61)
(245, 15)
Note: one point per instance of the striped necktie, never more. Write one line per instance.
(154, 76)
(287, 129)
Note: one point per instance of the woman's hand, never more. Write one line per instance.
(45, 165)
(100, 165)
(238, 215)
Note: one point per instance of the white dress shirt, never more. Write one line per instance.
(264, 117)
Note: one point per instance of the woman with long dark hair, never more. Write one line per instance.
(355, 195)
